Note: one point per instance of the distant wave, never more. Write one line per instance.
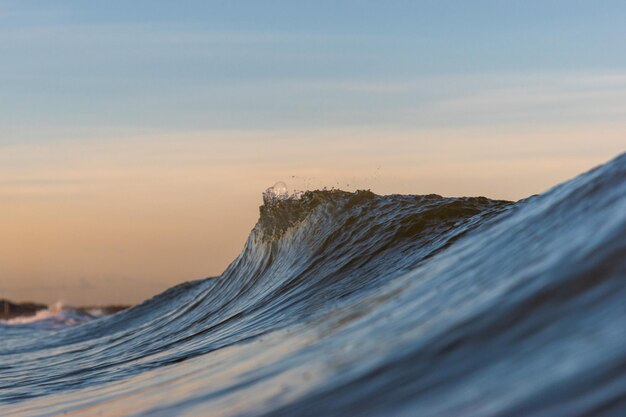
(346, 304)
(57, 316)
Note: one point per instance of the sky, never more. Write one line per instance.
(136, 137)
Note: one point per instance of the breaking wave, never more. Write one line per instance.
(358, 304)
(56, 316)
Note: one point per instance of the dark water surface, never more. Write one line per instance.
(354, 304)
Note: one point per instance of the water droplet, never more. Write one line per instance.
(275, 193)
(280, 189)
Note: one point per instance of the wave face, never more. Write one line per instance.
(345, 304)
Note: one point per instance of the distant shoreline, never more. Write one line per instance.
(10, 309)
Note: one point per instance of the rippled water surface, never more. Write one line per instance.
(358, 304)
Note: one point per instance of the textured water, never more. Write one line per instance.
(355, 304)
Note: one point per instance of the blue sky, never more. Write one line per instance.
(154, 65)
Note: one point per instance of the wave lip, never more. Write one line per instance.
(358, 304)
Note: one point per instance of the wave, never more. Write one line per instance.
(358, 304)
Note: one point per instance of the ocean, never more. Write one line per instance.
(355, 304)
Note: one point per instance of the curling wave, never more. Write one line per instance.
(358, 304)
